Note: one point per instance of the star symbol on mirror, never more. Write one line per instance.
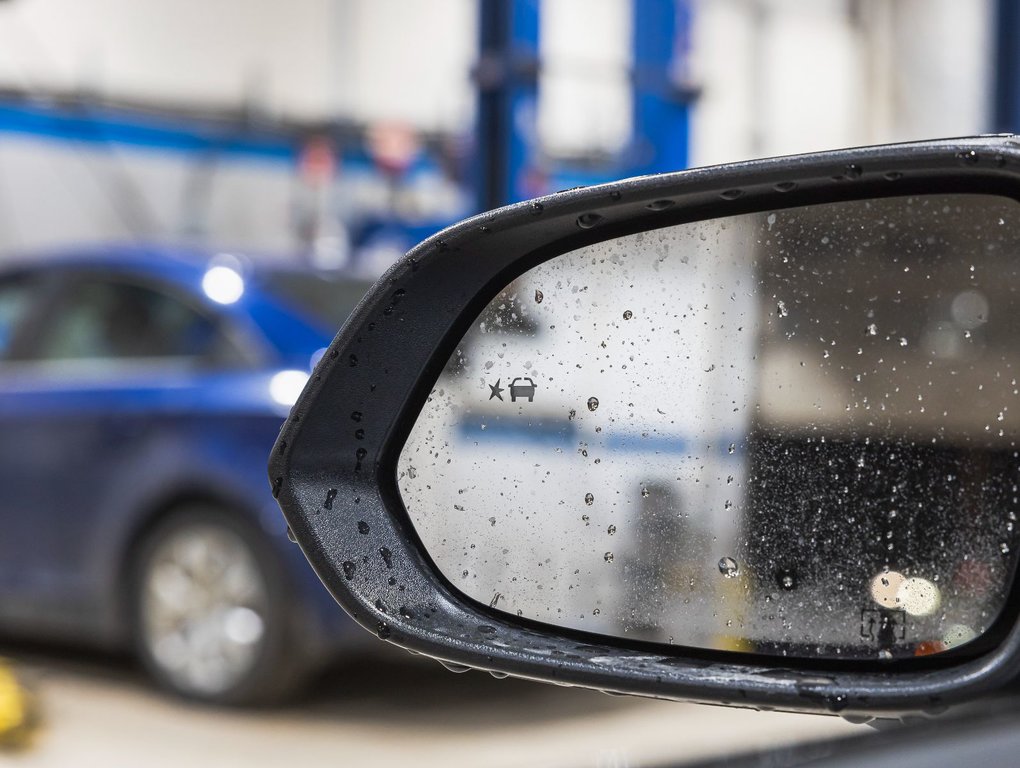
(496, 390)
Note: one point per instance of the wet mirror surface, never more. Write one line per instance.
(791, 433)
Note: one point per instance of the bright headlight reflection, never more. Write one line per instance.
(916, 596)
(285, 386)
(919, 597)
(884, 588)
(223, 284)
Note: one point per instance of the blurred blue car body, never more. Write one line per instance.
(134, 382)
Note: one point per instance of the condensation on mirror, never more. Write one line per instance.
(788, 433)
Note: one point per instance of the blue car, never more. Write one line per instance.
(141, 390)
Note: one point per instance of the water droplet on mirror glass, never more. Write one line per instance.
(644, 493)
(872, 329)
(608, 557)
(611, 530)
(627, 314)
(781, 309)
(593, 403)
(728, 567)
(539, 296)
(589, 499)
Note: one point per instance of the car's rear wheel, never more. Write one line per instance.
(211, 615)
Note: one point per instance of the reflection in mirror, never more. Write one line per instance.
(789, 433)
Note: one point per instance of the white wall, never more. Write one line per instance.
(362, 59)
(584, 89)
(787, 76)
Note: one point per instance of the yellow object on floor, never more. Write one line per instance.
(17, 720)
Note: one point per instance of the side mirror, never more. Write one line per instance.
(744, 434)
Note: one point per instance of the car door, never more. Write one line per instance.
(21, 296)
(84, 394)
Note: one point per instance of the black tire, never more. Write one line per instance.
(260, 663)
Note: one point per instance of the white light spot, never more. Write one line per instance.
(285, 386)
(243, 626)
(223, 284)
(919, 597)
(884, 588)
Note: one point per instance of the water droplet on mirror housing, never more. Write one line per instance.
(729, 568)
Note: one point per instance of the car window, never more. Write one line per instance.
(109, 320)
(15, 299)
(325, 301)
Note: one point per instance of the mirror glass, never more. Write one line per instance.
(791, 433)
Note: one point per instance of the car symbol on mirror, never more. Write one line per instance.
(522, 390)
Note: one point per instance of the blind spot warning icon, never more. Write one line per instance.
(519, 389)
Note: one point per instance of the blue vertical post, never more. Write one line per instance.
(1007, 67)
(661, 106)
(507, 152)
(507, 79)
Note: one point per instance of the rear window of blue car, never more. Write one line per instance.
(106, 319)
(299, 312)
(324, 301)
(15, 299)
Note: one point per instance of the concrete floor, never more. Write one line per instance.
(386, 711)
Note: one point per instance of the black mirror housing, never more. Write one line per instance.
(333, 469)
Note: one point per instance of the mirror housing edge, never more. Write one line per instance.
(333, 468)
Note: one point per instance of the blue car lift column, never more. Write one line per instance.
(508, 155)
(507, 80)
(1007, 67)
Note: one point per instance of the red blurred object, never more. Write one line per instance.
(317, 162)
(393, 146)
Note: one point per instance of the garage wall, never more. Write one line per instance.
(782, 76)
(363, 59)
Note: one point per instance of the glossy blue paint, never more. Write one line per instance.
(92, 455)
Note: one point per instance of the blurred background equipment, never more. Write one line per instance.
(19, 716)
(340, 133)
